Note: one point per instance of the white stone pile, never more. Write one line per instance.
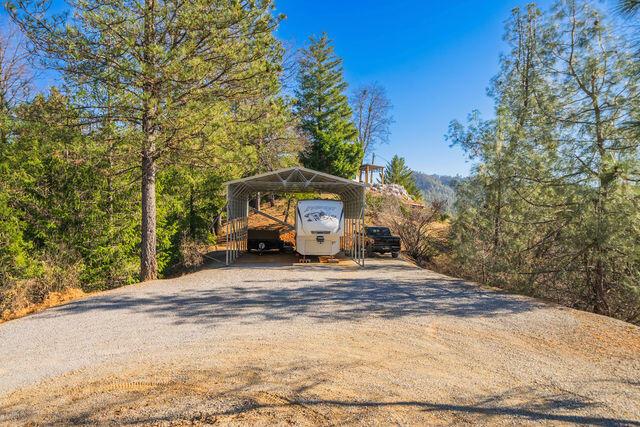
(390, 189)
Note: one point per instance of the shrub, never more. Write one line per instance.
(414, 224)
(190, 255)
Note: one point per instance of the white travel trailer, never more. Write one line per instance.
(319, 226)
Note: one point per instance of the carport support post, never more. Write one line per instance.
(358, 248)
(362, 233)
(246, 218)
(233, 238)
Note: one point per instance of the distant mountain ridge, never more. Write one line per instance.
(437, 187)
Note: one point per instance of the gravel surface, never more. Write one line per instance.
(262, 343)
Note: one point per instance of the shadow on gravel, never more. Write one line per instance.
(519, 413)
(330, 299)
(253, 408)
(243, 400)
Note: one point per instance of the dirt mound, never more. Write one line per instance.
(279, 211)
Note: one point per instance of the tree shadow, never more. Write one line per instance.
(329, 299)
(290, 396)
(519, 412)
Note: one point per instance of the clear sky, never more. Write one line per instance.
(435, 58)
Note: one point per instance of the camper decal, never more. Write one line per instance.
(321, 214)
(317, 216)
(319, 227)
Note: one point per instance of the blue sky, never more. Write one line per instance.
(435, 58)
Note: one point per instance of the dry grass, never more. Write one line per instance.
(51, 300)
(57, 282)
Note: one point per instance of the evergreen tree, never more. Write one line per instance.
(551, 208)
(600, 155)
(176, 73)
(629, 7)
(397, 172)
(512, 158)
(59, 188)
(324, 112)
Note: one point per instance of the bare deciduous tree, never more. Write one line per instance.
(414, 225)
(15, 73)
(372, 115)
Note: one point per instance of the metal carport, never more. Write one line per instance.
(295, 180)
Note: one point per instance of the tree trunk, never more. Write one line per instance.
(286, 212)
(192, 214)
(148, 263)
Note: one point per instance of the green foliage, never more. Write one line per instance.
(551, 208)
(59, 190)
(397, 172)
(324, 112)
(177, 82)
(628, 7)
(184, 95)
(14, 250)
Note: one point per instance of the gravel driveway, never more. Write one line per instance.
(264, 343)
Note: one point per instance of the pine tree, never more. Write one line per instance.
(397, 172)
(175, 72)
(629, 7)
(324, 112)
(495, 224)
(551, 208)
(600, 155)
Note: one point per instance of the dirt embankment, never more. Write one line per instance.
(53, 299)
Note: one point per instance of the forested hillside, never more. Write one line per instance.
(553, 204)
(440, 188)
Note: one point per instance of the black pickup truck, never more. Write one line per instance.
(379, 240)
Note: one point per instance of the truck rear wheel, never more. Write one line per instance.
(394, 254)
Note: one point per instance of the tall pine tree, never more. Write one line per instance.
(324, 112)
(551, 208)
(175, 72)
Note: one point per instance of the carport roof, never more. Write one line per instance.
(294, 179)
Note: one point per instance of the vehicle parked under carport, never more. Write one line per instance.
(261, 240)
